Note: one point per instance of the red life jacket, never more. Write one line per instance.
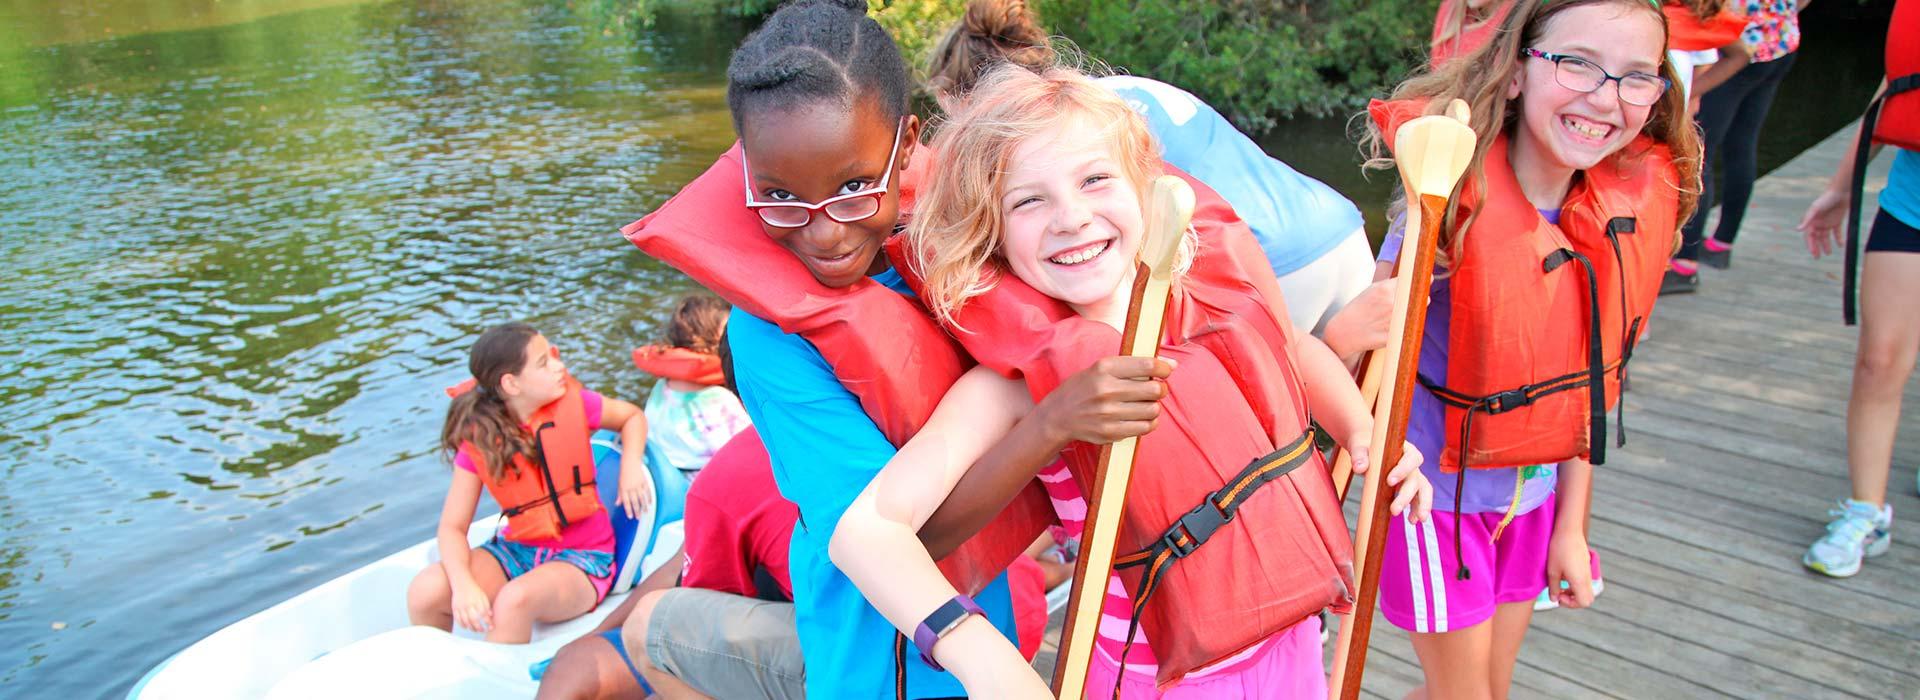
(1257, 541)
(679, 363)
(1543, 314)
(1893, 119)
(1687, 32)
(882, 346)
(540, 499)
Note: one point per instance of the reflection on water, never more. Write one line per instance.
(244, 259)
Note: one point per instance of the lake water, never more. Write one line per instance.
(249, 243)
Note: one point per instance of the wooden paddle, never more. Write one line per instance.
(1432, 153)
(1370, 378)
(1170, 208)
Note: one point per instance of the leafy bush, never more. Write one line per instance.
(1255, 60)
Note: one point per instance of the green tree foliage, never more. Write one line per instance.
(1255, 60)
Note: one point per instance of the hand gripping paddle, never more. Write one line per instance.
(1170, 209)
(1432, 153)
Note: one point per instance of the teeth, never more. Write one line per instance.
(1083, 255)
(1594, 131)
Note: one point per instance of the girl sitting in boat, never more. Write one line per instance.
(1027, 240)
(690, 412)
(519, 429)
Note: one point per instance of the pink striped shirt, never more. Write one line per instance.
(1071, 507)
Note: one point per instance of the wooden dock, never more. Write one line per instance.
(1736, 424)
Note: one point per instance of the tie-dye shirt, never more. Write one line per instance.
(685, 428)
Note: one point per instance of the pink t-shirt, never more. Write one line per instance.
(594, 533)
(1071, 507)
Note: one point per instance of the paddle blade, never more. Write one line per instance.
(1433, 151)
(1169, 211)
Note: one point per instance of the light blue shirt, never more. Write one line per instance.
(1296, 218)
(825, 449)
(1901, 198)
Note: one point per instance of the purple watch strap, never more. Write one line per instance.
(942, 619)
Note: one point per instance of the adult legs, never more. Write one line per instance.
(1740, 153)
(1717, 109)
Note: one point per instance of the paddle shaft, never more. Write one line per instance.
(1370, 371)
(1396, 402)
(1108, 498)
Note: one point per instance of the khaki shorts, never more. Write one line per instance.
(724, 645)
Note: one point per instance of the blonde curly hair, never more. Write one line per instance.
(957, 229)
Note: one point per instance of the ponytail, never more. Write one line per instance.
(478, 418)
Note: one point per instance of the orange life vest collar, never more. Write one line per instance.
(1545, 316)
(679, 363)
(542, 498)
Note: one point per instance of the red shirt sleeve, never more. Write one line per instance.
(715, 558)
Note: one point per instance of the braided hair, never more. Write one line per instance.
(813, 51)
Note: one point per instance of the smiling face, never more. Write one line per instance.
(1072, 217)
(1568, 130)
(814, 152)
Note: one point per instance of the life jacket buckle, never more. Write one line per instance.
(1508, 400)
(1197, 526)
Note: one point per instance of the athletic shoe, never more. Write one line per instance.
(1858, 531)
(1676, 282)
(1545, 600)
(1721, 259)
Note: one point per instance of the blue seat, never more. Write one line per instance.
(633, 540)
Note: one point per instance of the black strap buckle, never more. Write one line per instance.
(1508, 400)
(1198, 525)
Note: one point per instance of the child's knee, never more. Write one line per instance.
(516, 599)
(429, 594)
(1883, 364)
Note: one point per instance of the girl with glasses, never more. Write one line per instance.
(835, 362)
(1560, 232)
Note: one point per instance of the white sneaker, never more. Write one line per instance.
(1858, 531)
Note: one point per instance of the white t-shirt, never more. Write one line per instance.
(1685, 61)
(685, 428)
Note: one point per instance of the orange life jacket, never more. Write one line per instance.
(1231, 532)
(1893, 119)
(542, 498)
(1687, 32)
(882, 346)
(1445, 44)
(679, 363)
(1544, 315)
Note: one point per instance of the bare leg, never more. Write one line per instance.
(1456, 663)
(587, 668)
(1510, 623)
(551, 592)
(430, 595)
(1889, 340)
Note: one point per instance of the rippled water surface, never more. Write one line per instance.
(246, 245)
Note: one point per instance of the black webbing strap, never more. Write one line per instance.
(1850, 281)
(1616, 226)
(899, 666)
(1196, 527)
(1596, 355)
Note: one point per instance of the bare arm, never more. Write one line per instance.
(1115, 398)
(634, 494)
(876, 545)
(1827, 216)
(1733, 57)
(470, 604)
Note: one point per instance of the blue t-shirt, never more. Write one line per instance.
(1296, 218)
(1901, 198)
(1482, 490)
(825, 449)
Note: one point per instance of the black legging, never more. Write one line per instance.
(1731, 115)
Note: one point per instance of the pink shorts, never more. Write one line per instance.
(1420, 590)
(1287, 666)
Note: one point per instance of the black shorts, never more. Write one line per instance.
(1891, 235)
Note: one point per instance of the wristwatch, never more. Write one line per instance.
(939, 623)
